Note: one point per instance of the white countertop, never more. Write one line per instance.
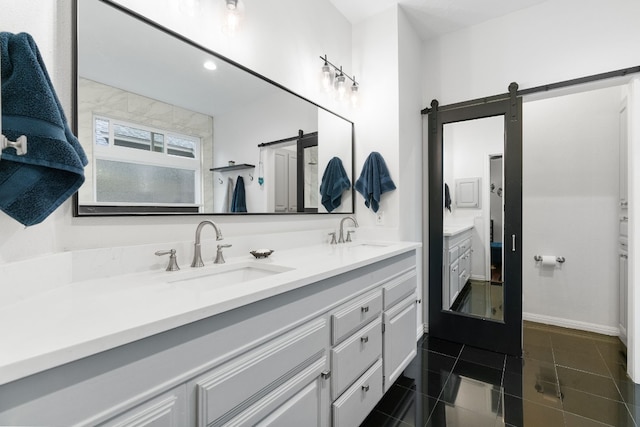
(88, 317)
(453, 229)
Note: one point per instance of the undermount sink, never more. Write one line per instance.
(224, 275)
(371, 244)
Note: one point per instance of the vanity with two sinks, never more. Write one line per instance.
(315, 333)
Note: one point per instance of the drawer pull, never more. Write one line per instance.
(325, 375)
(364, 339)
(364, 309)
(365, 388)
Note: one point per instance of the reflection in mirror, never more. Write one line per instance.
(166, 135)
(472, 218)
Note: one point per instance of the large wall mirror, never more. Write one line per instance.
(165, 135)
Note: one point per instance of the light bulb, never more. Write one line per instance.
(326, 77)
(341, 86)
(354, 94)
(233, 16)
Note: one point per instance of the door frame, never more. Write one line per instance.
(506, 336)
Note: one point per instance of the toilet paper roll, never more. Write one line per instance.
(548, 260)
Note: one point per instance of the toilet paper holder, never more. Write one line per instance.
(559, 259)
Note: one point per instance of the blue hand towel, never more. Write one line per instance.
(33, 185)
(239, 202)
(334, 182)
(374, 180)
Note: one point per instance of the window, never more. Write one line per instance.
(138, 165)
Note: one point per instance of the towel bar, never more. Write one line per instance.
(559, 259)
(20, 145)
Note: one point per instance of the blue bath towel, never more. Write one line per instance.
(374, 181)
(239, 202)
(334, 182)
(33, 185)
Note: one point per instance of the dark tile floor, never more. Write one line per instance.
(565, 378)
(480, 298)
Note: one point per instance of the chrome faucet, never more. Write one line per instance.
(341, 238)
(197, 255)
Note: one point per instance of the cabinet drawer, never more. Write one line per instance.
(303, 400)
(355, 404)
(224, 392)
(453, 254)
(466, 245)
(396, 289)
(353, 356)
(355, 315)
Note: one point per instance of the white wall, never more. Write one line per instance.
(375, 46)
(550, 42)
(570, 209)
(264, 44)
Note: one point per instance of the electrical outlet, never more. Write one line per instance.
(379, 218)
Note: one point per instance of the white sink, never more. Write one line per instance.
(371, 244)
(207, 278)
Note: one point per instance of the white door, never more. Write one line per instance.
(286, 168)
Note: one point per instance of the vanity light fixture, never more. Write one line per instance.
(334, 78)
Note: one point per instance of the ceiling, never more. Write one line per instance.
(432, 18)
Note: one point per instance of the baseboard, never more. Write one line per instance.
(573, 324)
(421, 330)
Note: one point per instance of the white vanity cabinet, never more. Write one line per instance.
(166, 410)
(367, 362)
(456, 257)
(252, 386)
(314, 356)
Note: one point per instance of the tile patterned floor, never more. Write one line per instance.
(565, 378)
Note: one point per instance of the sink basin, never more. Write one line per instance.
(371, 244)
(216, 276)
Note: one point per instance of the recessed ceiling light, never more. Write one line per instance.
(210, 65)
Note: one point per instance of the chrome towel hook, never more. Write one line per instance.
(20, 145)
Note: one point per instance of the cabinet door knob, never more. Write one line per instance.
(325, 375)
(364, 339)
(364, 309)
(365, 388)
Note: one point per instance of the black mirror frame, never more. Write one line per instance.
(110, 211)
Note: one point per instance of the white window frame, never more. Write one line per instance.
(152, 158)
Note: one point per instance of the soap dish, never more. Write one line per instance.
(261, 253)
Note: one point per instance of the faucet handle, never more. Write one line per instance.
(219, 257)
(349, 235)
(333, 238)
(173, 262)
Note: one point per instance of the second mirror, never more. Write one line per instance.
(473, 217)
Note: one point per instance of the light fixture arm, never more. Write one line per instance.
(339, 69)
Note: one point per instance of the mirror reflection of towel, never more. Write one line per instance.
(239, 202)
(334, 182)
(228, 197)
(447, 197)
(374, 181)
